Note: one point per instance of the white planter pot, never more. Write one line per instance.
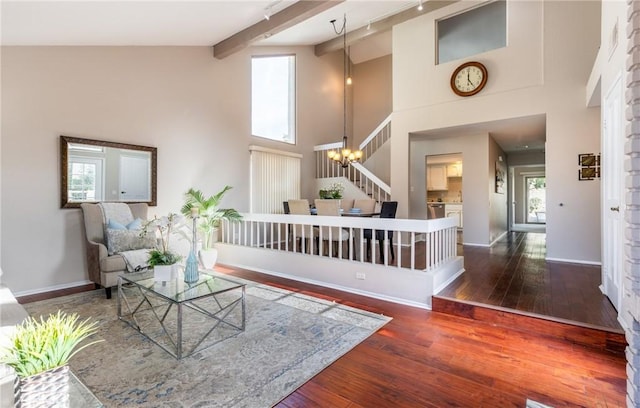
(208, 257)
(163, 273)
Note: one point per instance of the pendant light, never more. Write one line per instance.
(346, 156)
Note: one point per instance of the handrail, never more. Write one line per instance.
(359, 175)
(311, 235)
(368, 174)
(356, 173)
(375, 132)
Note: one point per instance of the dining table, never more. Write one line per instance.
(349, 213)
(359, 214)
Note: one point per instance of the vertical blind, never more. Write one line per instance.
(275, 177)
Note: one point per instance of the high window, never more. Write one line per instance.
(273, 97)
(472, 32)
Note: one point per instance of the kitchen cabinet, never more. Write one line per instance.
(437, 177)
(454, 170)
(455, 211)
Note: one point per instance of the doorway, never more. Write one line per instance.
(528, 198)
(536, 198)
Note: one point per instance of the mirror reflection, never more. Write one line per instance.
(94, 170)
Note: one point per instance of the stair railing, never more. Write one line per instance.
(376, 139)
(359, 175)
(356, 173)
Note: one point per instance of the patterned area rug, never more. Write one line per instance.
(289, 338)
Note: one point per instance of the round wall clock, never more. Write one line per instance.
(469, 78)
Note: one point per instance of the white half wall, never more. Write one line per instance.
(399, 285)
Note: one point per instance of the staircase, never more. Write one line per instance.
(359, 175)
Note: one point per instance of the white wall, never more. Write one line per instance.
(379, 164)
(525, 79)
(498, 217)
(194, 108)
(372, 96)
(475, 180)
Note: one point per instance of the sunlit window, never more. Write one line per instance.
(273, 97)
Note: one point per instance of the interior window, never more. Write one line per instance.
(273, 97)
(472, 32)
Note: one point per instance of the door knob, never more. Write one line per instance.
(615, 208)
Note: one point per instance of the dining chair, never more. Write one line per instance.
(367, 205)
(388, 210)
(346, 204)
(301, 207)
(337, 235)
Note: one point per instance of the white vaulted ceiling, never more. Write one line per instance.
(183, 23)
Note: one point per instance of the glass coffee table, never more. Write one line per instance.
(80, 396)
(182, 318)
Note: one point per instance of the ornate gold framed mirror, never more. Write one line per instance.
(97, 170)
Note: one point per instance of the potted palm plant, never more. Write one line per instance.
(209, 216)
(39, 351)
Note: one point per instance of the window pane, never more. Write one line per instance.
(84, 179)
(273, 97)
(473, 32)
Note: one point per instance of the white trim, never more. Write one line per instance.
(274, 151)
(375, 132)
(384, 186)
(328, 146)
(498, 239)
(52, 288)
(576, 261)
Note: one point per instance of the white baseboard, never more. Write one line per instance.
(575, 261)
(448, 281)
(51, 288)
(498, 239)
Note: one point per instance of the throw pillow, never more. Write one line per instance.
(119, 240)
(133, 225)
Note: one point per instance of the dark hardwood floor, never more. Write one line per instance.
(513, 274)
(430, 359)
(474, 357)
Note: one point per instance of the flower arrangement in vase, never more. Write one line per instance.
(334, 191)
(161, 258)
(209, 214)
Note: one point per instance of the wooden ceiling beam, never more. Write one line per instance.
(380, 26)
(279, 21)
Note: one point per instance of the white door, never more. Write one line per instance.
(613, 201)
(134, 178)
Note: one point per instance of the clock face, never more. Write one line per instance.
(469, 79)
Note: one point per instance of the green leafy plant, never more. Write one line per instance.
(40, 345)
(164, 227)
(334, 191)
(208, 212)
(158, 257)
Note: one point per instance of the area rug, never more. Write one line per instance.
(289, 338)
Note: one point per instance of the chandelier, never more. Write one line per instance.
(345, 156)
